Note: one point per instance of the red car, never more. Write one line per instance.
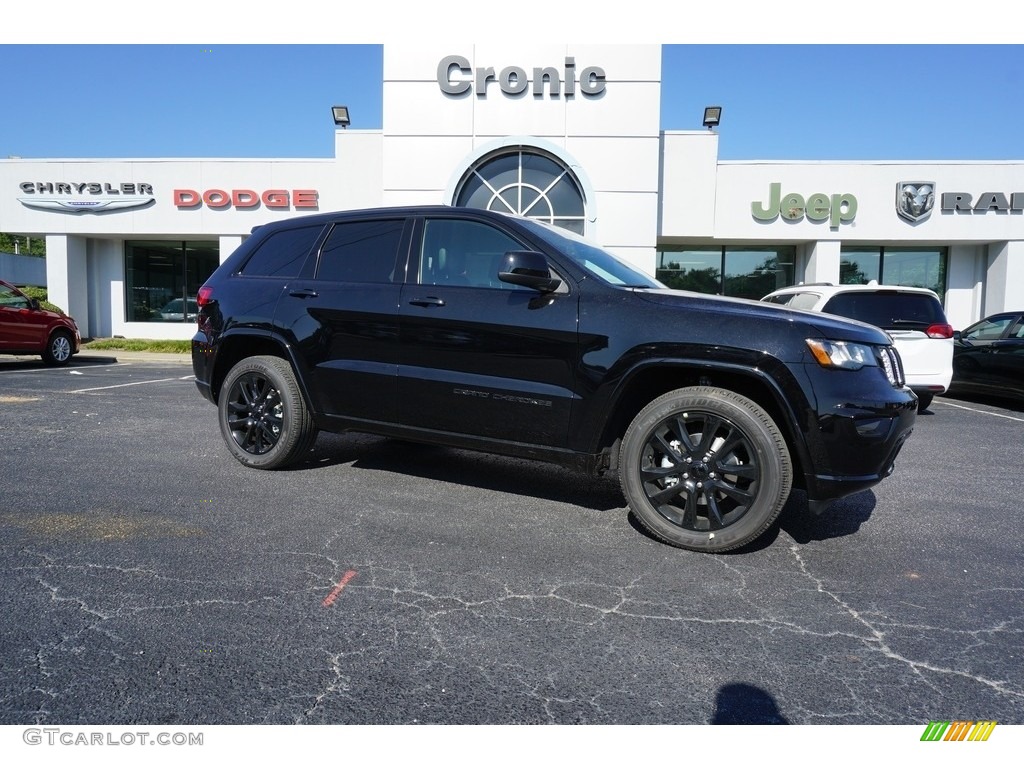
(28, 329)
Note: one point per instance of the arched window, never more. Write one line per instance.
(527, 182)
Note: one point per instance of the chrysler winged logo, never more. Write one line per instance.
(915, 200)
(87, 205)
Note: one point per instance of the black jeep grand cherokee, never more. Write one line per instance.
(483, 331)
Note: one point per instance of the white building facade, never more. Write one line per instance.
(566, 133)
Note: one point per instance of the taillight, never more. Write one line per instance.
(205, 296)
(940, 331)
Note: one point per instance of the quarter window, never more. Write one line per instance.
(283, 253)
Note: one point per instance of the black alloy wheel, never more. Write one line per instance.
(263, 416)
(705, 469)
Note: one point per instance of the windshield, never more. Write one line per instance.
(595, 260)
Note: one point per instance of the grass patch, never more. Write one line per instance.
(176, 346)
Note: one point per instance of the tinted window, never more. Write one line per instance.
(887, 309)
(361, 252)
(797, 300)
(283, 253)
(457, 252)
(9, 298)
(989, 329)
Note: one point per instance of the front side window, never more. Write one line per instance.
(163, 277)
(525, 182)
(11, 298)
(989, 329)
(467, 253)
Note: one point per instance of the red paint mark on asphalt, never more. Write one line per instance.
(329, 600)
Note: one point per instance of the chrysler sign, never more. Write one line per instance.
(85, 196)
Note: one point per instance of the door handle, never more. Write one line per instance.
(303, 293)
(429, 301)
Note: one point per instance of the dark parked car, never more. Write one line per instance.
(477, 330)
(988, 357)
(28, 329)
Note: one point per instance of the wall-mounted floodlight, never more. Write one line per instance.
(341, 116)
(712, 117)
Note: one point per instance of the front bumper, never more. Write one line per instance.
(855, 437)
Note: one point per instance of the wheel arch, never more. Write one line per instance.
(234, 347)
(651, 381)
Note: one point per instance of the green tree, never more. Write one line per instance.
(26, 246)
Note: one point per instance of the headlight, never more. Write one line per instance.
(841, 354)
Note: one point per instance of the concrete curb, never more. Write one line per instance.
(121, 355)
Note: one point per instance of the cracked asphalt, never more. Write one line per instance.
(150, 578)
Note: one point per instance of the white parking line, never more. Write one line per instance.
(73, 371)
(115, 386)
(978, 410)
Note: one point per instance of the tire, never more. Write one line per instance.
(924, 399)
(680, 469)
(59, 349)
(263, 416)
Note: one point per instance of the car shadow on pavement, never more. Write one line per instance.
(537, 479)
(843, 517)
(462, 467)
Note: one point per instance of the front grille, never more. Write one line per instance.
(892, 365)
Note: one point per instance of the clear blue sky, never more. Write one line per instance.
(789, 102)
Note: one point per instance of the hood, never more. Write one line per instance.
(817, 324)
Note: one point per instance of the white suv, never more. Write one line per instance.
(913, 317)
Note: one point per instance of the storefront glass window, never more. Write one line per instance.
(751, 273)
(698, 269)
(859, 266)
(528, 183)
(919, 267)
(731, 271)
(162, 278)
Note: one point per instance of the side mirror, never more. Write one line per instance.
(33, 304)
(956, 336)
(528, 269)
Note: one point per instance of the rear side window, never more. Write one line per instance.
(361, 252)
(797, 300)
(283, 253)
(888, 309)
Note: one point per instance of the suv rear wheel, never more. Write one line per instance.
(262, 414)
(705, 469)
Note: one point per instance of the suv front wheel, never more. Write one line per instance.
(263, 416)
(705, 469)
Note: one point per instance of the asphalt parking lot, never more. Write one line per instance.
(150, 578)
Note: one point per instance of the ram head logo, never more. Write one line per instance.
(915, 200)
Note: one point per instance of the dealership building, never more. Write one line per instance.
(567, 133)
